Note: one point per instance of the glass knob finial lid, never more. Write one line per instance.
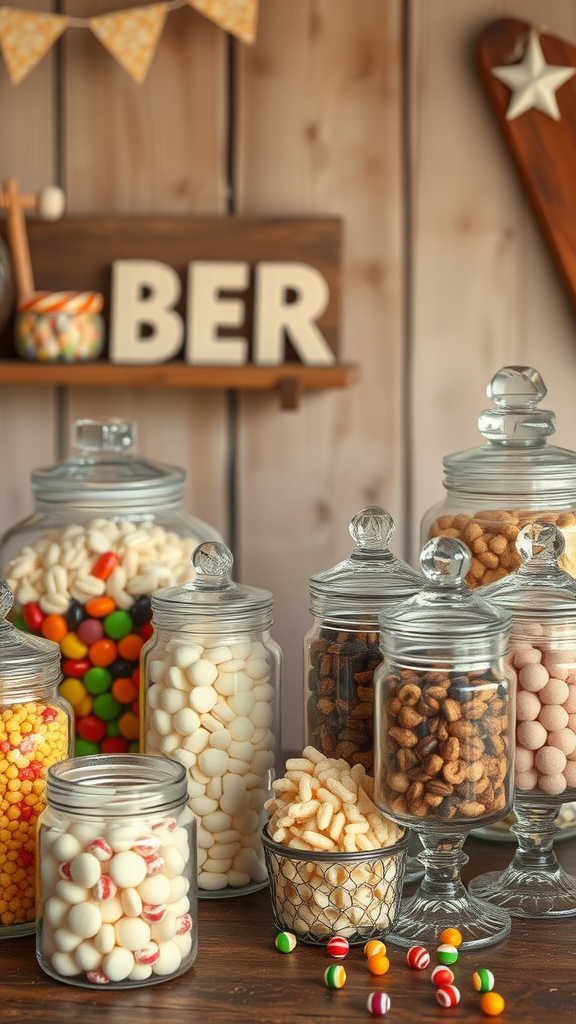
(516, 422)
(372, 529)
(445, 561)
(212, 562)
(104, 435)
(540, 540)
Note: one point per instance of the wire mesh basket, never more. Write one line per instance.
(317, 894)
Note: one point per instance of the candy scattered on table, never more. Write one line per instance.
(378, 1004)
(492, 1004)
(451, 937)
(335, 976)
(285, 942)
(447, 995)
(483, 980)
(374, 946)
(418, 957)
(447, 954)
(338, 947)
(442, 975)
(378, 963)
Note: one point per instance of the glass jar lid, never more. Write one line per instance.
(106, 471)
(24, 657)
(516, 459)
(212, 601)
(445, 618)
(539, 589)
(371, 576)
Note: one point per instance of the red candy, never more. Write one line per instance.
(418, 957)
(97, 977)
(153, 913)
(48, 715)
(114, 745)
(91, 728)
(337, 947)
(447, 995)
(154, 864)
(105, 888)
(64, 871)
(442, 975)
(148, 954)
(33, 616)
(75, 668)
(100, 849)
(184, 924)
(146, 630)
(104, 566)
(147, 847)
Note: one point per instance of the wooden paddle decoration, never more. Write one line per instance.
(530, 78)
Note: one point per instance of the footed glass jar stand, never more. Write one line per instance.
(442, 745)
(542, 599)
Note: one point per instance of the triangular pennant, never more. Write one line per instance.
(131, 36)
(239, 17)
(25, 36)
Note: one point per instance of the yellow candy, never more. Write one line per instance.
(73, 691)
(73, 648)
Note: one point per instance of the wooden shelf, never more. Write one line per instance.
(288, 379)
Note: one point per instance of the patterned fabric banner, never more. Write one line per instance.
(25, 36)
(239, 17)
(131, 36)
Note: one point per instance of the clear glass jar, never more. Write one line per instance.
(443, 738)
(212, 702)
(341, 650)
(117, 875)
(495, 490)
(542, 600)
(35, 732)
(109, 529)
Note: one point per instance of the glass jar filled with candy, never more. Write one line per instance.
(442, 741)
(542, 600)
(35, 733)
(212, 702)
(109, 529)
(514, 478)
(117, 877)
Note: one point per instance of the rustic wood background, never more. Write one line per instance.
(369, 110)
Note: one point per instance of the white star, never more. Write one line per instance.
(533, 82)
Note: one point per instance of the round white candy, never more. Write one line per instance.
(257, 668)
(197, 741)
(168, 744)
(203, 698)
(244, 751)
(213, 761)
(128, 869)
(111, 910)
(131, 902)
(122, 837)
(166, 929)
(242, 650)
(241, 729)
(174, 700)
(214, 788)
(66, 847)
(186, 721)
(85, 870)
(85, 919)
(154, 889)
(211, 882)
(65, 964)
(203, 673)
(66, 940)
(176, 679)
(204, 839)
(162, 722)
(88, 957)
(106, 939)
(187, 654)
(140, 972)
(235, 665)
(118, 964)
(180, 907)
(84, 832)
(132, 933)
(216, 867)
(169, 960)
(221, 739)
(203, 805)
(262, 715)
(217, 655)
(56, 911)
(70, 892)
(184, 943)
(234, 801)
(242, 704)
(186, 757)
(216, 822)
(264, 691)
(225, 685)
(223, 712)
(178, 888)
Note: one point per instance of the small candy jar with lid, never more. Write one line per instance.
(109, 529)
(516, 477)
(542, 600)
(212, 702)
(117, 875)
(442, 740)
(35, 733)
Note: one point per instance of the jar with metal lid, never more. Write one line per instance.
(212, 702)
(117, 877)
(542, 601)
(109, 529)
(341, 649)
(495, 490)
(35, 733)
(443, 738)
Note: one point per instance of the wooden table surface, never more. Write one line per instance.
(240, 976)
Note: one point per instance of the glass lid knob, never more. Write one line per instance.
(445, 561)
(540, 540)
(372, 528)
(103, 435)
(516, 422)
(6, 599)
(212, 562)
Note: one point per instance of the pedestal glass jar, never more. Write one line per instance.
(35, 733)
(542, 600)
(442, 739)
(516, 477)
(109, 529)
(117, 874)
(212, 703)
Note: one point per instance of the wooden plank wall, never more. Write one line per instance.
(365, 109)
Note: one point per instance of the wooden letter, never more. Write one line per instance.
(275, 315)
(143, 294)
(207, 311)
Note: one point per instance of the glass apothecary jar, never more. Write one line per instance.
(495, 490)
(212, 702)
(117, 875)
(443, 739)
(109, 529)
(341, 650)
(35, 733)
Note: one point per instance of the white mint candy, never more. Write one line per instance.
(154, 889)
(105, 940)
(234, 801)
(241, 650)
(66, 940)
(162, 722)
(216, 822)
(186, 720)
(204, 839)
(195, 788)
(122, 837)
(210, 723)
(70, 892)
(223, 712)
(199, 776)
(173, 700)
(242, 704)
(88, 957)
(85, 870)
(128, 869)
(179, 908)
(84, 832)
(221, 740)
(211, 882)
(201, 857)
(217, 866)
(176, 678)
(184, 943)
(85, 919)
(65, 964)
(238, 878)
(257, 668)
(178, 888)
(224, 851)
(242, 682)
(225, 685)
(131, 902)
(203, 805)
(214, 788)
(156, 669)
(111, 910)
(197, 741)
(203, 698)
(203, 673)
(187, 655)
(238, 767)
(66, 847)
(186, 757)
(218, 654)
(262, 715)
(165, 929)
(169, 960)
(241, 729)
(132, 933)
(264, 691)
(213, 761)
(244, 751)
(169, 743)
(140, 972)
(118, 964)
(56, 911)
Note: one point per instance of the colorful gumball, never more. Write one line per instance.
(374, 946)
(447, 995)
(285, 942)
(483, 980)
(452, 937)
(442, 976)
(338, 947)
(378, 1004)
(378, 963)
(491, 1004)
(335, 976)
(447, 954)
(418, 957)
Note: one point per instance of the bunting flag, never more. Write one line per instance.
(238, 17)
(131, 36)
(25, 36)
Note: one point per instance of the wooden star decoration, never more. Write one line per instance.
(533, 82)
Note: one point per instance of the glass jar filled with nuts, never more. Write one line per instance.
(495, 490)
(341, 650)
(443, 738)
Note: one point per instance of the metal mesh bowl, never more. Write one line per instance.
(317, 894)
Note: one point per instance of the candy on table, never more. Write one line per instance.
(285, 942)
(378, 1004)
(378, 964)
(492, 1004)
(418, 957)
(447, 954)
(338, 947)
(451, 937)
(33, 736)
(442, 975)
(483, 980)
(447, 995)
(335, 976)
(374, 946)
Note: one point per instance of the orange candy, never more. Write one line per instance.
(378, 963)
(129, 726)
(124, 691)
(98, 607)
(103, 653)
(54, 627)
(452, 937)
(374, 946)
(491, 1004)
(129, 647)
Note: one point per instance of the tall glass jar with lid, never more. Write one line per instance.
(212, 702)
(495, 490)
(109, 529)
(35, 733)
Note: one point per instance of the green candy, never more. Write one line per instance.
(285, 942)
(84, 747)
(483, 980)
(447, 954)
(118, 624)
(134, 748)
(97, 680)
(106, 707)
(112, 728)
(20, 623)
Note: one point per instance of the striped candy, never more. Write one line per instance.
(374, 946)
(378, 1003)
(418, 957)
(335, 976)
(483, 980)
(62, 302)
(338, 947)
(442, 975)
(285, 942)
(447, 954)
(447, 995)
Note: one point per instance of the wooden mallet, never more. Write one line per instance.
(49, 204)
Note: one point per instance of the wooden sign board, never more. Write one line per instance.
(79, 254)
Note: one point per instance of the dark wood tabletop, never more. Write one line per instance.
(240, 976)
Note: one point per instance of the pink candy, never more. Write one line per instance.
(184, 924)
(154, 864)
(105, 888)
(148, 954)
(100, 849)
(153, 913)
(64, 871)
(97, 977)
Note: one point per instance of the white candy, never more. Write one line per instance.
(132, 933)
(221, 866)
(111, 910)
(203, 698)
(70, 892)
(186, 757)
(169, 960)
(122, 837)
(66, 940)
(203, 673)
(174, 700)
(203, 805)
(66, 847)
(217, 655)
(214, 788)
(166, 929)
(264, 691)
(241, 729)
(186, 720)
(131, 902)
(238, 767)
(65, 964)
(210, 723)
(162, 722)
(154, 889)
(243, 751)
(204, 838)
(211, 882)
(56, 911)
(88, 957)
(128, 869)
(169, 743)
(225, 685)
(234, 801)
(242, 704)
(105, 941)
(179, 907)
(187, 655)
(238, 878)
(241, 650)
(85, 919)
(257, 668)
(140, 972)
(176, 679)
(118, 964)
(213, 761)
(85, 870)
(216, 822)
(262, 715)
(184, 943)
